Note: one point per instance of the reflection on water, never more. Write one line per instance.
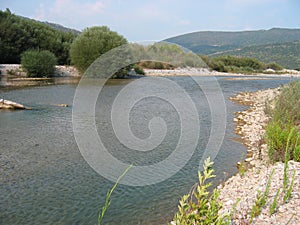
(44, 179)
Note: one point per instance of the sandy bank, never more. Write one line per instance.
(250, 125)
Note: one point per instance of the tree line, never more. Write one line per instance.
(18, 35)
(39, 47)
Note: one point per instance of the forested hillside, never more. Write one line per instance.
(19, 34)
(275, 45)
(61, 28)
(208, 42)
(285, 54)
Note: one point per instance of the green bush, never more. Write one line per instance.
(139, 70)
(234, 64)
(91, 44)
(38, 63)
(201, 207)
(274, 66)
(156, 65)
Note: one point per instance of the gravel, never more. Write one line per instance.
(250, 125)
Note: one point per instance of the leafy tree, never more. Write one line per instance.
(38, 63)
(92, 43)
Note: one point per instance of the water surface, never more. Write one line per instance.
(45, 180)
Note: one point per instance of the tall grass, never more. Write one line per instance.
(283, 130)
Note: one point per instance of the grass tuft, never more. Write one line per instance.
(108, 196)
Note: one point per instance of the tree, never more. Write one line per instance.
(18, 34)
(91, 44)
(38, 63)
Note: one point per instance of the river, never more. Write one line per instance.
(45, 180)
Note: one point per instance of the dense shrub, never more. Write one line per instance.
(169, 55)
(38, 63)
(234, 64)
(274, 66)
(156, 65)
(139, 70)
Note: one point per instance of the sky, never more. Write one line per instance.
(156, 20)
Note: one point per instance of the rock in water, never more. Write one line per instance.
(6, 104)
(62, 105)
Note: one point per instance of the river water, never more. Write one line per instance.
(45, 180)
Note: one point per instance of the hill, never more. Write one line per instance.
(285, 54)
(280, 45)
(62, 28)
(55, 26)
(208, 42)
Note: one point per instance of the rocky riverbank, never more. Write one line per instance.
(250, 125)
(12, 75)
(16, 70)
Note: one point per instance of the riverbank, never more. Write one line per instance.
(13, 76)
(207, 72)
(250, 124)
(71, 71)
(16, 70)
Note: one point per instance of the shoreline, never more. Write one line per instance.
(70, 71)
(12, 76)
(250, 125)
(206, 72)
(17, 71)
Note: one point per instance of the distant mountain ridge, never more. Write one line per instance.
(208, 42)
(233, 43)
(54, 26)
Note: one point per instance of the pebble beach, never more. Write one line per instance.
(250, 126)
